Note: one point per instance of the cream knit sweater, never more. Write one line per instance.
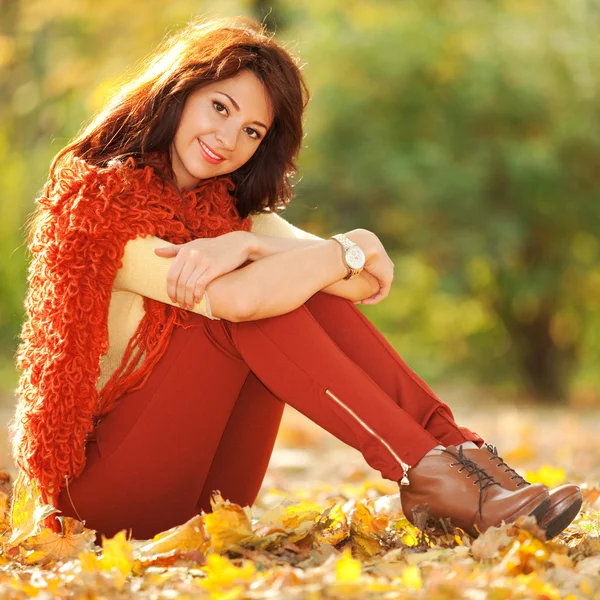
(145, 274)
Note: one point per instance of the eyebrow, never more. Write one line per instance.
(237, 107)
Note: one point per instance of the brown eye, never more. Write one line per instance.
(253, 133)
(219, 107)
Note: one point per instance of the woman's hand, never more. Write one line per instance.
(200, 261)
(378, 263)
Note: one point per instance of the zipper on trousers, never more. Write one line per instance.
(405, 467)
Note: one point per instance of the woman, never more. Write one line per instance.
(172, 313)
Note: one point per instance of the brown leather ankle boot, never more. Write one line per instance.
(565, 501)
(456, 488)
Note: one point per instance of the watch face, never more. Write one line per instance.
(355, 257)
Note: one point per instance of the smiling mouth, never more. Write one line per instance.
(210, 154)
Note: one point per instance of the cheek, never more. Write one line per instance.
(248, 150)
(196, 122)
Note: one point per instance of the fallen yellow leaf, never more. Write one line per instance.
(117, 557)
(411, 578)
(27, 511)
(365, 530)
(227, 525)
(347, 569)
(49, 546)
(117, 554)
(189, 536)
(222, 575)
(4, 512)
(294, 516)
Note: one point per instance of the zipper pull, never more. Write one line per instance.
(404, 480)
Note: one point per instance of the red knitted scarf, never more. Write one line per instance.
(85, 218)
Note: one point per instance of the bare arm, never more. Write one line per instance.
(284, 264)
(274, 234)
(361, 287)
(278, 283)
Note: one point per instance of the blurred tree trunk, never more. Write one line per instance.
(546, 369)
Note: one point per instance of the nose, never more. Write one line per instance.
(227, 138)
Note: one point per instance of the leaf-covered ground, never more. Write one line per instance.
(327, 526)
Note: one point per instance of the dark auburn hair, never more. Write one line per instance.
(144, 115)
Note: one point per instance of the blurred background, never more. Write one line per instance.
(463, 133)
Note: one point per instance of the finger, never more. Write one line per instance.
(205, 280)
(167, 252)
(182, 283)
(191, 289)
(384, 291)
(372, 300)
(173, 275)
(382, 294)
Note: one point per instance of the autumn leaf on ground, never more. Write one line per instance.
(365, 532)
(227, 525)
(187, 537)
(411, 578)
(334, 527)
(347, 569)
(530, 524)
(524, 555)
(222, 575)
(409, 534)
(27, 512)
(491, 542)
(117, 558)
(4, 513)
(294, 516)
(49, 546)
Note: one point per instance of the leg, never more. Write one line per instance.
(299, 363)
(364, 344)
(147, 464)
(241, 460)
(238, 474)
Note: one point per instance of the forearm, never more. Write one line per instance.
(363, 286)
(281, 282)
(262, 246)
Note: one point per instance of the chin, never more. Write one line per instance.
(205, 171)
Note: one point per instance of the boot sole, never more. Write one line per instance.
(570, 507)
(540, 510)
(532, 509)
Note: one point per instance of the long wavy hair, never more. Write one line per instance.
(143, 117)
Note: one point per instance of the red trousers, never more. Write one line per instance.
(208, 416)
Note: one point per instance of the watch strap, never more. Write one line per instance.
(347, 243)
(344, 240)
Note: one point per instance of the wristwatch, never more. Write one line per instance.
(353, 255)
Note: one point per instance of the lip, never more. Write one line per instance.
(207, 157)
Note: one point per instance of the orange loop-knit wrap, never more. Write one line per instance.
(85, 217)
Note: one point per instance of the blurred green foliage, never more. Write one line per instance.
(464, 133)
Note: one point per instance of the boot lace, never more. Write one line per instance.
(496, 457)
(482, 477)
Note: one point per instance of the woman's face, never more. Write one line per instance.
(221, 127)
